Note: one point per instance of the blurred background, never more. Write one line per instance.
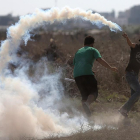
(122, 12)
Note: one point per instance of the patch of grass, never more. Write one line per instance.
(110, 96)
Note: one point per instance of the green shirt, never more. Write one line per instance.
(84, 59)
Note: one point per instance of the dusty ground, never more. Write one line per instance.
(115, 126)
(124, 133)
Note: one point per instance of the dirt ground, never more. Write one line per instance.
(114, 126)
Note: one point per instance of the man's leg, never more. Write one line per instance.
(93, 93)
(134, 84)
(132, 91)
(90, 99)
(82, 86)
(86, 108)
(88, 89)
(86, 104)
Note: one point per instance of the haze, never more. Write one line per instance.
(22, 7)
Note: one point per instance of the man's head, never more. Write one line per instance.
(89, 41)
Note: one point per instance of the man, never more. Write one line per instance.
(84, 77)
(51, 51)
(132, 71)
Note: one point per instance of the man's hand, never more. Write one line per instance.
(132, 45)
(114, 69)
(105, 64)
(125, 35)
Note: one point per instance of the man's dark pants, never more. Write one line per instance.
(132, 79)
(87, 84)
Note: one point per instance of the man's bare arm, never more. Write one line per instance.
(105, 64)
(132, 45)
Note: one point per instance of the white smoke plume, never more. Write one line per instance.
(21, 30)
(30, 107)
(22, 111)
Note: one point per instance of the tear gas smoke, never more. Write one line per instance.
(21, 30)
(22, 111)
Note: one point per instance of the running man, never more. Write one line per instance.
(132, 72)
(83, 75)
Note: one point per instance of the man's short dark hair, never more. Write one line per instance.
(89, 40)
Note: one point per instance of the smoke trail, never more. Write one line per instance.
(20, 31)
(21, 111)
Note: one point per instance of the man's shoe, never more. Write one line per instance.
(87, 110)
(123, 113)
